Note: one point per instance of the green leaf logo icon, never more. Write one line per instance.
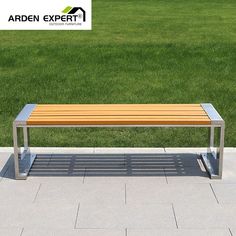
(67, 9)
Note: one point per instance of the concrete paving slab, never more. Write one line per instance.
(163, 160)
(228, 173)
(135, 164)
(17, 192)
(229, 167)
(169, 193)
(118, 149)
(13, 231)
(148, 195)
(59, 164)
(96, 157)
(127, 179)
(183, 159)
(59, 192)
(194, 150)
(232, 231)
(8, 170)
(225, 192)
(51, 150)
(84, 193)
(5, 161)
(4, 156)
(187, 175)
(128, 150)
(102, 193)
(43, 170)
(125, 216)
(205, 216)
(73, 232)
(63, 150)
(6, 150)
(132, 164)
(230, 150)
(9, 176)
(179, 232)
(56, 179)
(104, 164)
(38, 215)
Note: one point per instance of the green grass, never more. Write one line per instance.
(172, 51)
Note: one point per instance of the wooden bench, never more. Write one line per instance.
(119, 115)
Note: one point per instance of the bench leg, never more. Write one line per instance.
(213, 159)
(22, 161)
(212, 137)
(26, 138)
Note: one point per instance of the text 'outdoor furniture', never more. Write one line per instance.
(119, 115)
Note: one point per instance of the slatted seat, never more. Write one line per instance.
(119, 115)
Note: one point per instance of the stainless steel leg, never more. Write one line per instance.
(212, 135)
(213, 160)
(16, 152)
(221, 150)
(23, 164)
(26, 138)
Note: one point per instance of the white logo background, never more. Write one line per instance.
(42, 8)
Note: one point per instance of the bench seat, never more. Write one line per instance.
(119, 114)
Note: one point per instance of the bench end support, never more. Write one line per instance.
(22, 161)
(211, 165)
(213, 159)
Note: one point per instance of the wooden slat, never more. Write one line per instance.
(120, 122)
(123, 105)
(114, 113)
(102, 107)
(120, 109)
(117, 117)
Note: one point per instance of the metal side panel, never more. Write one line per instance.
(212, 113)
(25, 163)
(25, 113)
(211, 164)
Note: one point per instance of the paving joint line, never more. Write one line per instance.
(8, 167)
(165, 176)
(21, 233)
(36, 195)
(230, 232)
(128, 163)
(84, 175)
(50, 160)
(173, 209)
(125, 194)
(214, 193)
(77, 214)
(72, 164)
(90, 228)
(126, 232)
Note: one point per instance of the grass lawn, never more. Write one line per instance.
(152, 51)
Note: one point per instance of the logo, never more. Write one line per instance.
(73, 10)
(70, 16)
(34, 15)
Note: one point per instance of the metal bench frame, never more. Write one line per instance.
(212, 159)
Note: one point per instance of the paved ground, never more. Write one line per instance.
(117, 192)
